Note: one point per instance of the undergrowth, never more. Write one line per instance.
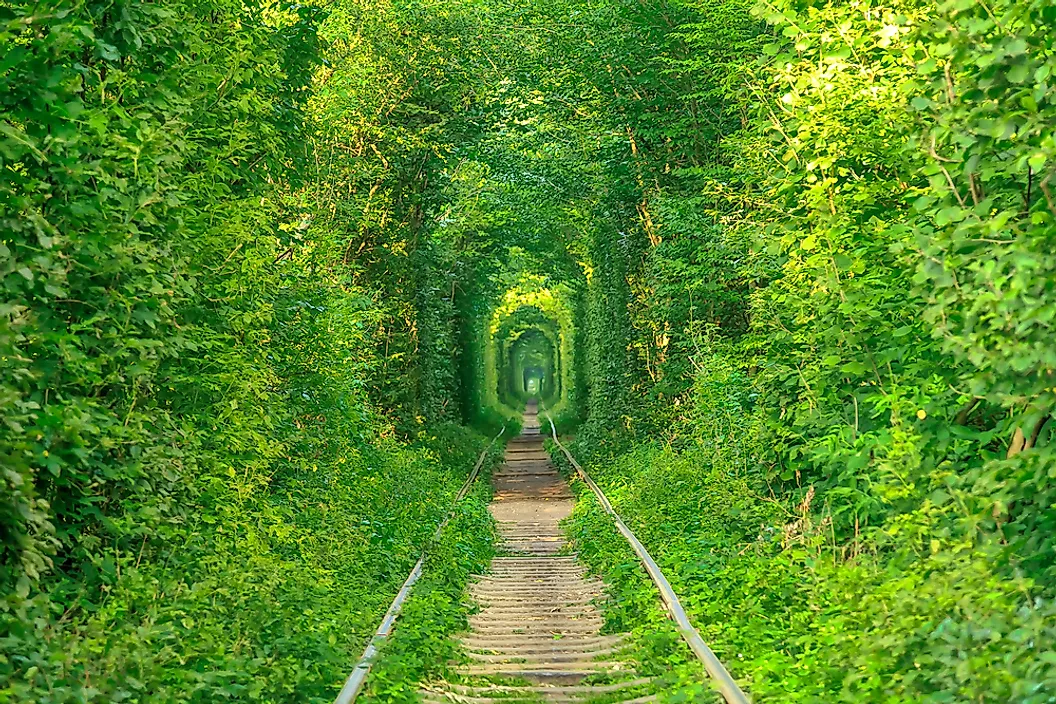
(274, 603)
(799, 618)
(421, 649)
(633, 603)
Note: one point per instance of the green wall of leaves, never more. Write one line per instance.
(801, 281)
(227, 353)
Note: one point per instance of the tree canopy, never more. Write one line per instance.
(272, 273)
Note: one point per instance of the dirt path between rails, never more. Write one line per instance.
(538, 634)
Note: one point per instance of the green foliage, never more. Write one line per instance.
(98, 256)
(532, 310)
(421, 649)
(210, 490)
(791, 261)
(874, 282)
(795, 616)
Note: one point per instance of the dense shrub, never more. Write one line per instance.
(792, 262)
(205, 493)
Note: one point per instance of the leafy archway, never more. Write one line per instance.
(531, 334)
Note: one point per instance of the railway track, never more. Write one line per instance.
(537, 636)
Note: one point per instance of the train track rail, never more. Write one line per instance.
(537, 636)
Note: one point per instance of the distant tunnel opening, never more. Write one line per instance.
(529, 352)
(532, 368)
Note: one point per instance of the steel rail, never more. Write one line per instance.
(725, 683)
(354, 684)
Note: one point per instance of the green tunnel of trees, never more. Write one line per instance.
(531, 366)
(273, 274)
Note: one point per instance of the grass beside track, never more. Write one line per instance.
(421, 648)
(635, 604)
